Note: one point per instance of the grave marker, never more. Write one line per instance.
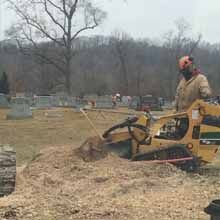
(43, 102)
(104, 102)
(4, 103)
(125, 102)
(20, 109)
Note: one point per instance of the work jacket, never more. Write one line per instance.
(188, 91)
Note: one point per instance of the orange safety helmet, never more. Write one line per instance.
(185, 62)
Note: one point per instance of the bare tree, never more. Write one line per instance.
(47, 29)
(121, 43)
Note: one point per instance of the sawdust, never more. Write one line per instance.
(92, 149)
(59, 184)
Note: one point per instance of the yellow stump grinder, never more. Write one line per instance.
(187, 139)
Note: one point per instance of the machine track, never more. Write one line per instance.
(7, 170)
(171, 153)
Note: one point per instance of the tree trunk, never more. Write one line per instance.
(124, 71)
(139, 84)
(68, 58)
(67, 82)
(68, 70)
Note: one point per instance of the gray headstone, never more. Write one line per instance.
(30, 100)
(68, 101)
(52, 114)
(125, 101)
(43, 102)
(78, 104)
(91, 97)
(134, 102)
(104, 102)
(168, 105)
(20, 109)
(4, 101)
(63, 101)
(57, 101)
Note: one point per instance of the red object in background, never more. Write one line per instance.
(145, 109)
(93, 103)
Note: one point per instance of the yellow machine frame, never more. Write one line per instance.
(205, 149)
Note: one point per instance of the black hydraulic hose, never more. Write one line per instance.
(121, 125)
(129, 123)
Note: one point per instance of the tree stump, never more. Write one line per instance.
(7, 170)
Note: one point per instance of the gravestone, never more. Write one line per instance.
(4, 103)
(134, 102)
(30, 100)
(63, 101)
(125, 101)
(68, 101)
(20, 109)
(91, 97)
(104, 102)
(43, 102)
(168, 105)
(79, 104)
(57, 101)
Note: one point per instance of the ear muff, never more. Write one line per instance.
(191, 59)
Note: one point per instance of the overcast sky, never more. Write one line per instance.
(151, 18)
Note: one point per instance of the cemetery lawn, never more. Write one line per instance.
(48, 128)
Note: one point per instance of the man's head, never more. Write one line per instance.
(186, 67)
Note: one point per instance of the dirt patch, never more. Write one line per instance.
(59, 184)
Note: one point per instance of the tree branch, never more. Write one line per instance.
(52, 17)
(56, 6)
(85, 28)
(73, 9)
(35, 24)
(30, 51)
(196, 43)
